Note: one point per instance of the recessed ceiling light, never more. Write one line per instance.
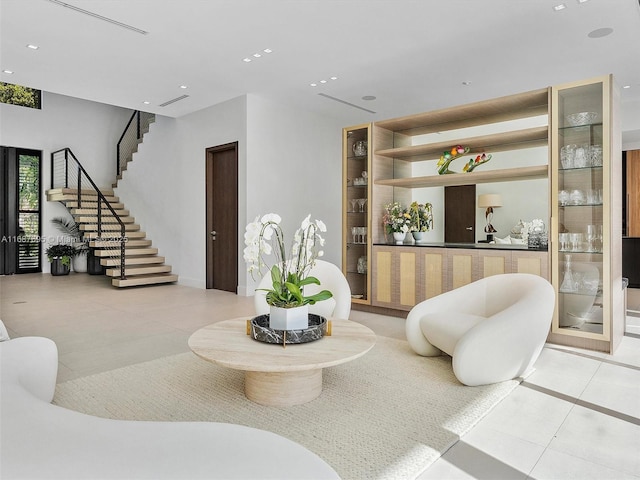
(600, 32)
(257, 55)
(146, 103)
(8, 72)
(246, 60)
(267, 50)
(33, 47)
(323, 81)
(334, 78)
(368, 97)
(559, 7)
(583, 1)
(313, 84)
(627, 86)
(183, 86)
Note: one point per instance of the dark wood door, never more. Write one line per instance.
(460, 214)
(222, 217)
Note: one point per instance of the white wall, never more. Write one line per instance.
(289, 163)
(90, 129)
(294, 168)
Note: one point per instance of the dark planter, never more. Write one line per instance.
(58, 268)
(93, 264)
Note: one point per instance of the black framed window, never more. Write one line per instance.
(20, 211)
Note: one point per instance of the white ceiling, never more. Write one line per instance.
(413, 55)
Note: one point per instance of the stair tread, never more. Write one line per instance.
(94, 211)
(115, 234)
(92, 227)
(105, 219)
(144, 280)
(88, 204)
(116, 244)
(136, 271)
(115, 262)
(133, 251)
(55, 191)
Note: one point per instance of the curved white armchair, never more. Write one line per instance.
(493, 328)
(331, 278)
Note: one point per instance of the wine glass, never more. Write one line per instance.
(361, 203)
(354, 202)
(576, 241)
(564, 241)
(354, 232)
(363, 233)
(592, 236)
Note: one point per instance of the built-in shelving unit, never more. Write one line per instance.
(356, 224)
(587, 226)
(588, 310)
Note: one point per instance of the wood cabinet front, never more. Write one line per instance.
(403, 276)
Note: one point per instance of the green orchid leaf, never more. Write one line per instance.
(309, 281)
(318, 297)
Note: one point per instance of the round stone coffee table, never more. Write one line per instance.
(277, 375)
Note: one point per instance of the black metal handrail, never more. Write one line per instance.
(101, 198)
(130, 138)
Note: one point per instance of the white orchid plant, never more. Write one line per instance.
(289, 276)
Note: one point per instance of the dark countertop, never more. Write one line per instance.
(475, 246)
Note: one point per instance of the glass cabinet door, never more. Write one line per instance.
(581, 208)
(356, 218)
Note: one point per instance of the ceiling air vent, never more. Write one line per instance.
(177, 99)
(348, 103)
(99, 17)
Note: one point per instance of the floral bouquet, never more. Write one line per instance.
(396, 219)
(289, 276)
(421, 217)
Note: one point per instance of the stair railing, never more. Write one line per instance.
(68, 172)
(131, 138)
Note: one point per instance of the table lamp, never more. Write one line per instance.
(489, 201)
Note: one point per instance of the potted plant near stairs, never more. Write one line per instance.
(72, 230)
(60, 257)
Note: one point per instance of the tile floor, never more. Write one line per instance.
(577, 416)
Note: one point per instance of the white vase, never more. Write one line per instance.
(296, 318)
(398, 237)
(79, 263)
(417, 236)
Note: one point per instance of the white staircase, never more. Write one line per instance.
(143, 265)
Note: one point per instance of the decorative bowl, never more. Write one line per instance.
(260, 331)
(580, 118)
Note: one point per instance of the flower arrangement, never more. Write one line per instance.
(421, 217)
(396, 219)
(289, 276)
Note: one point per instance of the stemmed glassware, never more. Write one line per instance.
(564, 241)
(361, 203)
(592, 236)
(354, 232)
(354, 202)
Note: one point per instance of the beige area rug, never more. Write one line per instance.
(386, 415)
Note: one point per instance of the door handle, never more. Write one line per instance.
(469, 228)
(213, 234)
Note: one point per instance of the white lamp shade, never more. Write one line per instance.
(489, 200)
